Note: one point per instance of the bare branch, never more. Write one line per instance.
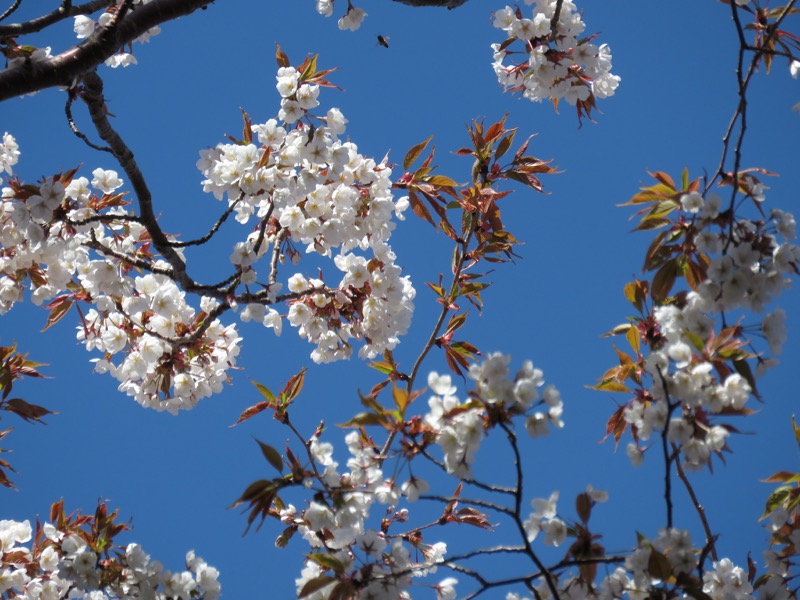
(710, 538)
(81, 136)
(10, 10)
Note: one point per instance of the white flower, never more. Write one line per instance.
(546, 508)
(445, 589)
(83, 26)
(414, 487)
(504, 18)
(352, 19)
(555, 532)
(692, 202)
(106, 180)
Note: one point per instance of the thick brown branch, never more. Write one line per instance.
(63, 69)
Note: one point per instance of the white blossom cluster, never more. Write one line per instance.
(375, 564)
(635, 581)
(317, 190)
(67, 568)
(85, 26)
(459, 432)
(555, 62)
(380, 565)
(45, 237)
(751, 260)
(304, 183)
(749, 265)
(159, 370)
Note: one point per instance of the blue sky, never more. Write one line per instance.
(174, 477)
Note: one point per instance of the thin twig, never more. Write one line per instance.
(665, 448)
(214, 229)
(548, 576)
(10, 10)
(474, 502)
(697, 506)
(475, 482)
(78, 132)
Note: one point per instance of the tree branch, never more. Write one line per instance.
(93, 95)
(63, 69)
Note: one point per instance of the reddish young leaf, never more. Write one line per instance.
(59, 307)
(252, 412)
(294, 386)
(583, 506)
(280, 56)
(29, 412)
(419, 208)
(413, 154)
(616, 426)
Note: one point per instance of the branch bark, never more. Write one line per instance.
(63, 69)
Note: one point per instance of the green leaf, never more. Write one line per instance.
(634, 339)
(685, 179)
(364, 419)
(504, 144)
(637, 292)
(382, 367)
(283, 539)
(776, 499)
(328, 561)
(316, 584)
(658, 566)
(311, 68)
(743, 368)
(611, 385)
(272, 455)
(782, 477)
(401, 398)
(664, 280)
(695, 340)
(264, 391)
(441, 181)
